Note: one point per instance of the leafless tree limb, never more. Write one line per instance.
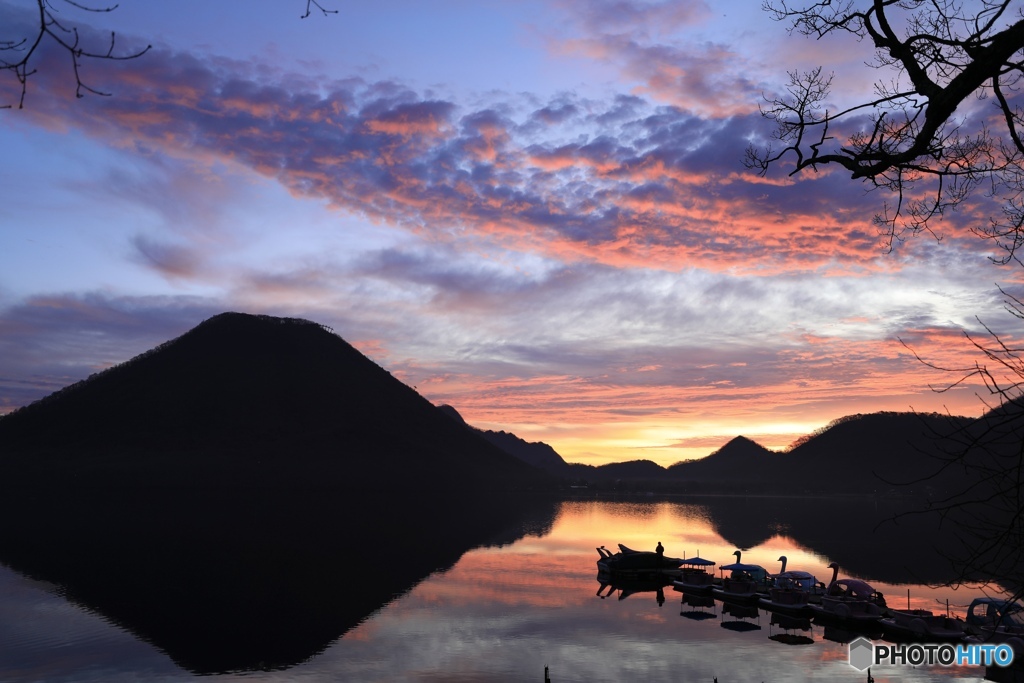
(985, 512)
(909, 138)
(18, 56)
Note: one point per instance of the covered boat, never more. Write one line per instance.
(999, 622)
(745, 582)
(792, 591)
(992, 613)
(696, 577)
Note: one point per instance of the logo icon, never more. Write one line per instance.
(861, 653)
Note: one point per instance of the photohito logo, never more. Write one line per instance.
(864, 653)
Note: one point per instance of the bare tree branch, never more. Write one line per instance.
(18, 56)
(945, 53)
(986, 511)
(313, 3)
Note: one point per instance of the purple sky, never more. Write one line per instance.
(534, 211)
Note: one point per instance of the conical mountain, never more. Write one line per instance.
(740, 448)
(253, 400)
(741, 459)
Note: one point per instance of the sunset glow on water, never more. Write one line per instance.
(503, 613)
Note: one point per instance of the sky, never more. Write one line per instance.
(534, 211)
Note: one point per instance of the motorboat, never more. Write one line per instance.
(746, 582)
(922, 624)
(997, 621)
(994, 613)
(635, 561)
(695, 578)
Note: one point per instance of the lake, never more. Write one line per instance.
(504, 612)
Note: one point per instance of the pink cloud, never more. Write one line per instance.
(646, 186)
(655, 186)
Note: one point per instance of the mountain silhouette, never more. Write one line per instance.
(243, 495)
(254, 400)
(535, 453)
(856, 454)
(733, 461)
(877, 450)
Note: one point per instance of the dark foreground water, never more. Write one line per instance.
(503, 613)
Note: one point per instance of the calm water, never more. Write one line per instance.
(504, 613)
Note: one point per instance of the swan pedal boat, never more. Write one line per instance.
(851, 601)
(792, 591)
(748, 582)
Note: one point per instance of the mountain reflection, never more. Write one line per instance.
(246, 582)
(258, 582)
(869, 537)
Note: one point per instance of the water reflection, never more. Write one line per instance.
(503, 612)
(241, 583)
(627, 587)
(740, 617)
(790, 630)
(698, 607)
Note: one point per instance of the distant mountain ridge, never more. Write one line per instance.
(868, 453)
(537, 453)
(243, 398)
(863, 453)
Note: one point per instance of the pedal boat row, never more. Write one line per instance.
(847, 603)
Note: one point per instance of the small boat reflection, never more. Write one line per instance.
(1009, 674)
(844, 635)
(627, 587)
(741, 613)
(703, 607)
(790, 630)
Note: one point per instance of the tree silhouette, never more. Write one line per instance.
(914, 137)
(985, 514)
(917, 138)
(18, 54)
